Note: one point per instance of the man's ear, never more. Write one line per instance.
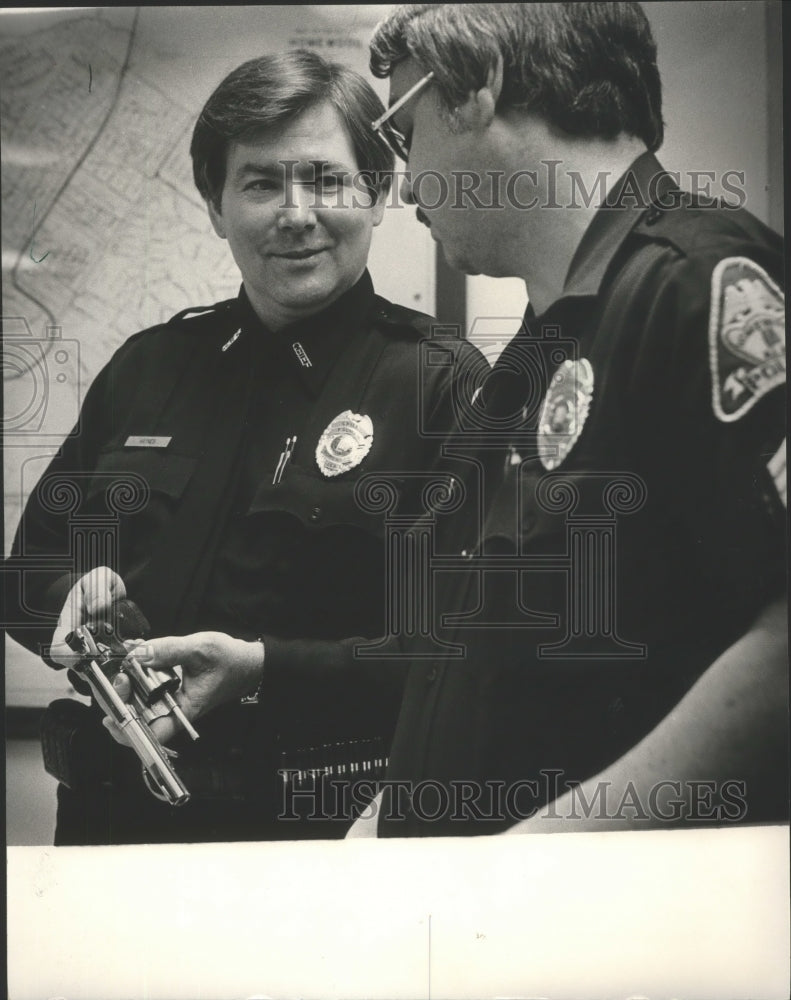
(477, 113)
(216, 219)
(378, 207)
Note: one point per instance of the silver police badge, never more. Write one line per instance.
(345, 443)
(564, 412)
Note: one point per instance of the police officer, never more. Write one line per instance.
(634, 495)
(228, 444)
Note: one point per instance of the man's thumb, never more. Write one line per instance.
(164, 652)
(100, 588)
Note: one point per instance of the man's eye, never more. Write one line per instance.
(261, 184)
(329, 182)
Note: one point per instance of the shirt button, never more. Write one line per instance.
(315, 513)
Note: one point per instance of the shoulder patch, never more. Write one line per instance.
(746, 336)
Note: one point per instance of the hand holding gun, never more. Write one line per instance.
(102, 657)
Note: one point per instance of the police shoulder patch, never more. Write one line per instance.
(746, 336)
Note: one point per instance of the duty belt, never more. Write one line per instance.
(346, 760)
(80, 754)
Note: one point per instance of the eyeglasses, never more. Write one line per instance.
(383, 127)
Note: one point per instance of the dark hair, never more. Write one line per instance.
(587, 68)
(268, 91)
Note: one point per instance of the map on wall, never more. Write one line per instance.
(104, 232)
(94, 188)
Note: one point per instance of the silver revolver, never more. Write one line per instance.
(102, 656)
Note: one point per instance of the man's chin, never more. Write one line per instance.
(458, 261)
(308, 297)
(310, 288)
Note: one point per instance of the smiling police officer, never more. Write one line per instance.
(228, 443)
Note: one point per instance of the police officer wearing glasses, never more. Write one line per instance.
(623, 591)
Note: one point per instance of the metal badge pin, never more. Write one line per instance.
(565, 411)
(345, 442)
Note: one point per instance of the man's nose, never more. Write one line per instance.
(299, 208)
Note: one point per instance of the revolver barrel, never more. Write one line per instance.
(94, 666)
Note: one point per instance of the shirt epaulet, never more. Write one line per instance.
(193, 312)
(403, 318)
(195, 320)
(696, 230)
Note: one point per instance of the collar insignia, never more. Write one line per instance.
(231, 340)
(564, 412)
(301, 354)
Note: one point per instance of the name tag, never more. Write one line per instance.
(136, 441)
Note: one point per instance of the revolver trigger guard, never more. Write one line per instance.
(152, 786)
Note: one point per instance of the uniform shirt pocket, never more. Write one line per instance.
(133, 496)
(124, 480)
(316, 557)
(318, 502)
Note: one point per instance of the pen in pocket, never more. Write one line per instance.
(283, 461)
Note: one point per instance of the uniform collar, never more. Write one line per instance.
(312, 346)
(645, 183)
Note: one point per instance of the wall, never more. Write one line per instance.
(721, 68)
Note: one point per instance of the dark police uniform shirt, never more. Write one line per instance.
(171, 474)
(629, 520)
